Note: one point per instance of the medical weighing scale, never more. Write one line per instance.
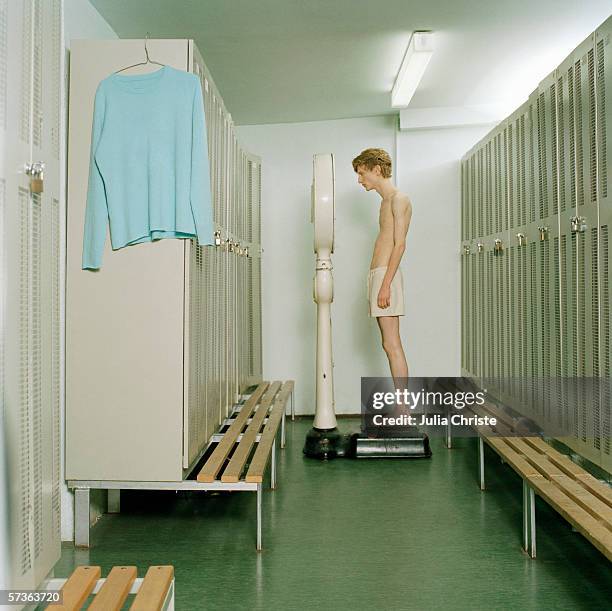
(324, 440)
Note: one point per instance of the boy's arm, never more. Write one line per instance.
(402, 213)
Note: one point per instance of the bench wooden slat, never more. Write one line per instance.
(231, 473)
(563, 462)
(513, 458)
(77, 588)
(584, 522)
(588, 502)
(115, 589)
(153, 590)
(262, 454)
(602, 491)
(538, 460)
(213, 465)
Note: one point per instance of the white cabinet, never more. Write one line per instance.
(161, 340)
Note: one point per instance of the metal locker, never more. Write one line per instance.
(603, 100)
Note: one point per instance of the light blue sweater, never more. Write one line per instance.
(149, 172)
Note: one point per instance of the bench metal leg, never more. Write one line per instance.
(81, 517)
(481, 475)
(283, 434)
(273, 469)
(168, 604)
(259, 486)
(114, 501)
(292, 406)
(529, 527)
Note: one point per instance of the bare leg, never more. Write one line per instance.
(392, 344)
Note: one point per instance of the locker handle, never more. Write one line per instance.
(578, 224)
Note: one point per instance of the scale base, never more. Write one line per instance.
(325, 443)
(330, 443)
(412, 445)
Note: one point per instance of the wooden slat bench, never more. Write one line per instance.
(154, 592)
(251, 434)
(241, 452)
(582, 500)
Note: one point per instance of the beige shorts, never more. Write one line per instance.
(396, 305)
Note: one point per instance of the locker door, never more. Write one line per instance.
(603, 99)
(30, 332)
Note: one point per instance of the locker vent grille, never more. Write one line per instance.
(56, 359)
(490, 327)
(511, 175)
(561, 143)
(498, 189)
(579, 135)
(25, 377)
(26, 72)
(36, 368)
(541, 112)
(592, 128)
(531, 323)
(574, 297)
(473, 199)
(522, 220)
(595, 416)
(531, 166)
(572, 136)
(553, 149)
(488, 195)
(561, 310)
(481, 194)
(601, 116)
(37, 56)
(56, 50)
(594, 300)
(582, 304)
(605, 338)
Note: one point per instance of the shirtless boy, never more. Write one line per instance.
(385, 286)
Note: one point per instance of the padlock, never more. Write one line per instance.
(36, 184)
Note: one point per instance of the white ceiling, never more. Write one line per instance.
(278, 61)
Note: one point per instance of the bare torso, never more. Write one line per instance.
(384, 242)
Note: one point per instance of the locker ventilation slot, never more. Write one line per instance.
(25, 410)
(601, 116)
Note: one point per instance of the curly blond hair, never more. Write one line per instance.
(374, 157)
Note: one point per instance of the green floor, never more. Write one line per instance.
(378, 534)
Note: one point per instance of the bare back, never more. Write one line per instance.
(393, 220)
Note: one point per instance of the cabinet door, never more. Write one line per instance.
(30, 57)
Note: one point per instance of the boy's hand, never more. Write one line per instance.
(384, 296)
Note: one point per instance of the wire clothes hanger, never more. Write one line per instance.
(148, 61)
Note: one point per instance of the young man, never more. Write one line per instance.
(385, 287)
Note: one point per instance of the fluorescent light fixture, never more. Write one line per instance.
(416, 58)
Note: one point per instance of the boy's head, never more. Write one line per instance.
(371, 166)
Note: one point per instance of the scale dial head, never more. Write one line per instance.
(323, 206)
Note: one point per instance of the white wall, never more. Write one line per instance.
(81, 20)
(427, 169)
(288, 265)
